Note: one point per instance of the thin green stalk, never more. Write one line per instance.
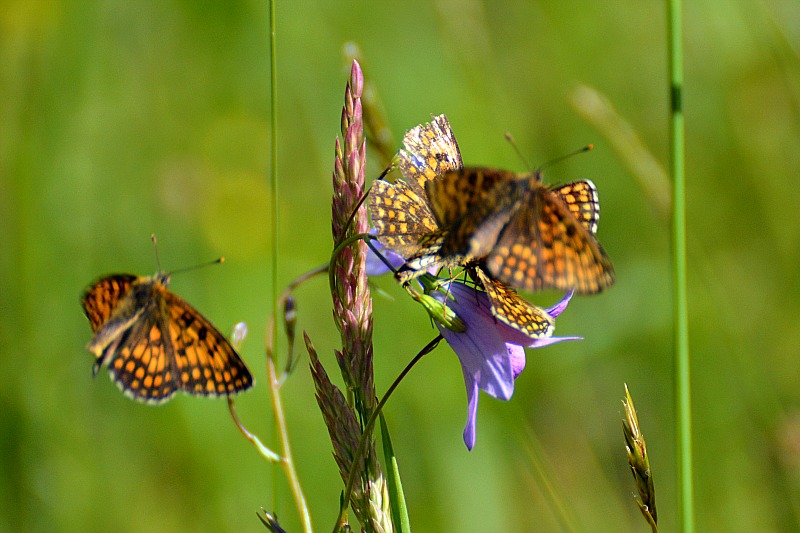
(275, 381)
(286, 450)
(273, 173)
(272, 375)
(367, 432)
(336, 251)
(273, 185)
(682, 359)
(265, 452)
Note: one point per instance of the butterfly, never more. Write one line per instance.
(405, 223)
(529, 235)
(154, 343)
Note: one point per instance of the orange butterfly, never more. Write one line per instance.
(531, 236)
(526, 234)
(405, 223)
(155, 344)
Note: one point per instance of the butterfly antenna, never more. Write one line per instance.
(510, 139)
(155, 247)
(380, 256)
(201, 265)
(587, 148)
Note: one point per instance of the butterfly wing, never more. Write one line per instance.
(468, 205)
(400, 211)
(545, 246)
(140, 360)
(400, 216)
(486, 201)
(205, 363)
(429, 150)
(466, 195)
(100, 299)
(582, 200)
(512, 310)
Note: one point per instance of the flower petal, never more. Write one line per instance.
(481, 349)
(516, 354)
(472, 412)
(483, 357)
(560, 306)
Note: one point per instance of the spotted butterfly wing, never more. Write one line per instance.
(544, 245)
(205, 361)
(512, 310)
(140, 360)
(400, 210)
(429, 150)
(474, 205)
(465, 195)
(401, 217)
(100, 300)
(532, 236)
(582, 200)
(450, 197)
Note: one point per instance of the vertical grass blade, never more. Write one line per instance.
(397, 498)
(682, 359)
(273, 171)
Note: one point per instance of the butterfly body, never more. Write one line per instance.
(154, 343)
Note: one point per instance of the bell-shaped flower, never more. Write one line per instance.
(492, 354)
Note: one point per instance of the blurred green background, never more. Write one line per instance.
(122, 119)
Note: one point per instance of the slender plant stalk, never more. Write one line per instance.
(288, 461)
(273, 147)
(265, 452)
(366, 435)
(274, 382)
(341, 246)
(682, 358)
(273, 185)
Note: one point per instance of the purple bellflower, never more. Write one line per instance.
(491, 353)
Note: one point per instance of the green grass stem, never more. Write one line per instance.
(273, 171)
(682, 358)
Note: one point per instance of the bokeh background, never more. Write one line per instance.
(122, 119)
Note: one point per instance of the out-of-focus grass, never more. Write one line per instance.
(122, 121)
